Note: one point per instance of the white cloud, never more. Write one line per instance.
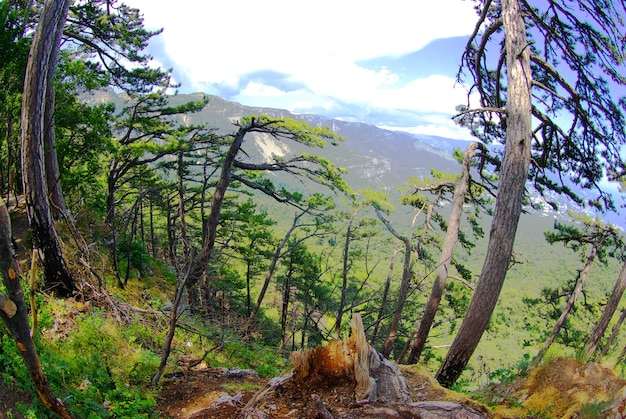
(434, 93)
(316, 45)
(259, 89)
(435, 124)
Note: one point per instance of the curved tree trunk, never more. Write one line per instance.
(197, 265)
(14, 314)
(41, 62)
(460, 190)
(509, 202)
(607, 314)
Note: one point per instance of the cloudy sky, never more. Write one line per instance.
(390, 63)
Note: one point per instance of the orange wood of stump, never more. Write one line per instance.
(333, 362)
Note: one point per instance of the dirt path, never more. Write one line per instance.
(210, 393)
(9, 398)
(207, 393)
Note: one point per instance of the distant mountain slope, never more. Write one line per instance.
(376, 158)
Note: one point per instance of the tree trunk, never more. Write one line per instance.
(460, 190)
(402, 295)
(41, 62)
(14, 314)
(10, 176)
(618, 325)
(509, 202)
(248, 284)
(53, 174)
(169, 338)
(344, 275)
(354, 359)
(142, 230)
(578, 289)
(131, 239)
(171, 240)
(199, 264)
(600, 328)
(152, 238)
(405, 282)
(305, 324)
(270, 274)
(285, 305)
(181, 205)
(383, 303)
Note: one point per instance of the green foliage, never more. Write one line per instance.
(11, 363)
(113, 34)
(83, 136)
(507, 375)
(101, 370)
(139, 257)
(301, 131)
(376, 198)
(594, 410)
(457, 298)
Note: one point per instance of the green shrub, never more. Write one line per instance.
(139, 257)
(99, 370)
(593, 410)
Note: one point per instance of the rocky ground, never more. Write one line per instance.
(216, 393)
(561, 388)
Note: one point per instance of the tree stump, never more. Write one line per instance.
(351, 362)
(353, 359)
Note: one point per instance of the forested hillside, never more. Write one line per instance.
(154, 244)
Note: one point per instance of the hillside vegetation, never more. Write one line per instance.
(166, 255)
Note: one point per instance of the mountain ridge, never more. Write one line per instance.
(376, 158)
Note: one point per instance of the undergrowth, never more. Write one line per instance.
(102, 369)
(96, 369)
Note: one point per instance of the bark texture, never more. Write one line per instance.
(51, 161)
(41, 63)
(351, 361)
(509, 201)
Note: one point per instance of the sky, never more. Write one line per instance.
(392, 64)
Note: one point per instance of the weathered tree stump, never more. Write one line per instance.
(351, 362)
(353, 359)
